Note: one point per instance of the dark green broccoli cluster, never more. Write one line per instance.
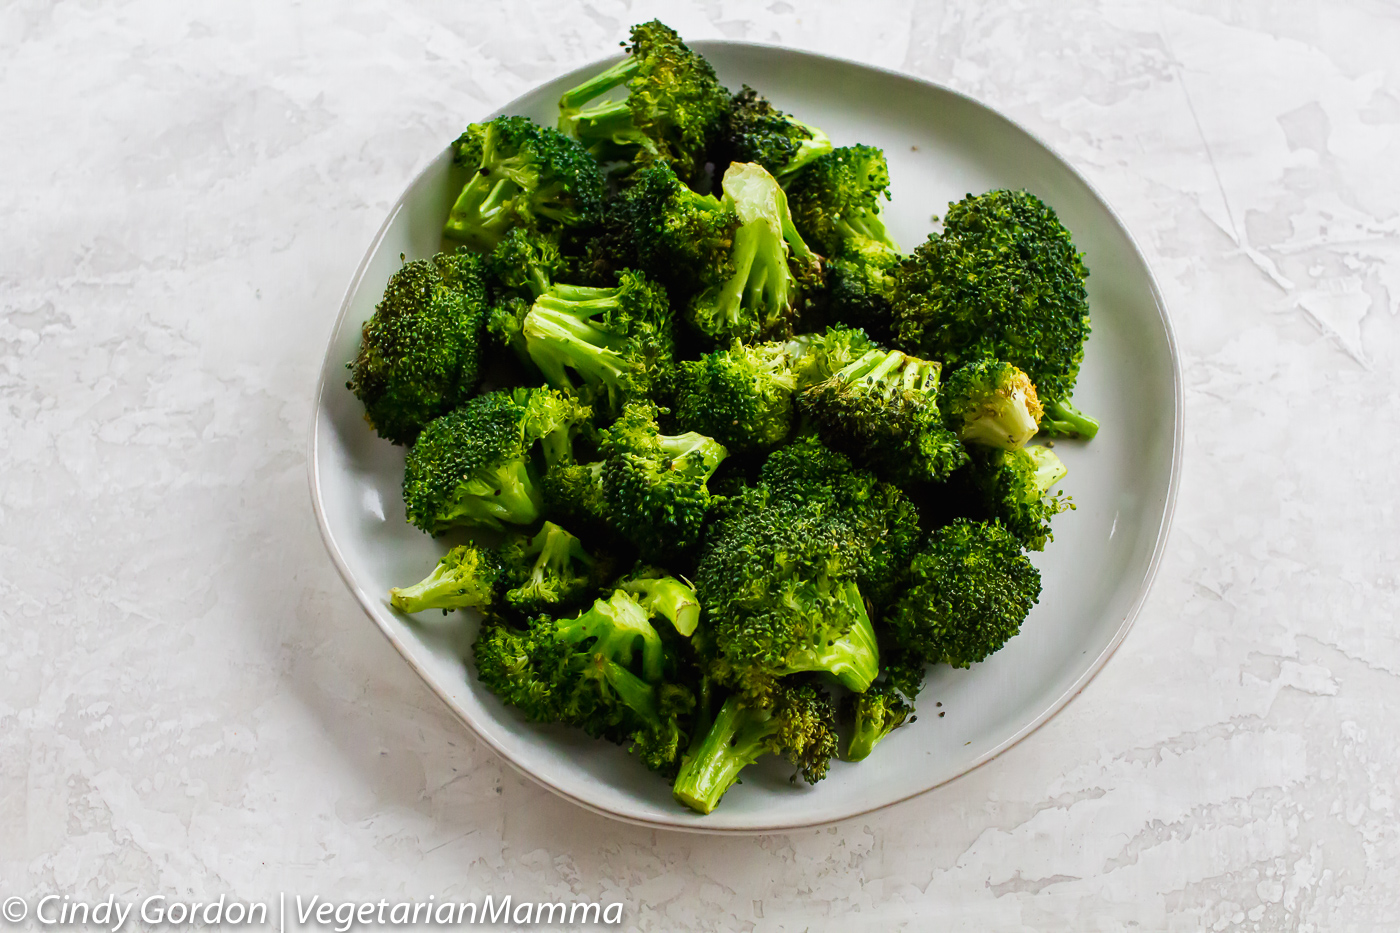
(722, 472)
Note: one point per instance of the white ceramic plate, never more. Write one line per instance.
(940, 146)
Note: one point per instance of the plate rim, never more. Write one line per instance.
(1072, 692)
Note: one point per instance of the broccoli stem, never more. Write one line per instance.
(1049, 469)
(1064, 420)
(555, 550)
(636, 694)
(692, 453)
(617, 625)
(559, 337)
(867, 224)
(817, 144)
(737, 739)
(875, 718)
(854, 658)
(761, 278)
(601, 83)
(504, 494)
(669, 597)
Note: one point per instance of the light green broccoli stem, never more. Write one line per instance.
(461, 580)
(481, 215)
(865, 224)
(891, 370)
(559, 338)
(634, 693)
(816, 145)
(502, 495)
(668, 597)
(798, 246)
(738, 738)
(619, 626)
(854, 657)
(761, 283)
(1049, 468)
(1064, 420)
(605, 119)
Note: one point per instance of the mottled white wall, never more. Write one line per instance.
(192, 702)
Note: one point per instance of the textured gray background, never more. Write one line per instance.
(191, 702)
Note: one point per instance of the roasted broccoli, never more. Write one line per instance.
(467, 577)
(420, 351)
(605, 343)
(874, 714)
(654, 485)
(756, 131)
(479, 466)
(758, 290)
(672, 113)
(742, 396)
(970, 590)
(603, 671)
(1015, 487)
(879, 407)
(1002, 281)
(522, 174)
(835, 201)
(991, 403)
(788, 566)
(797, 724)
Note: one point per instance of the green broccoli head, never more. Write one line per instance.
(756, 131)
(420, 352)
(608, 344)
(971, 588)
(660, 225)
(654, 485)
(549, 570)
(478, 466)
(673, 112)
(603, 671)
(1002, 281)
(799, 724)
(1015, 487)
(881, 408)
(522, 174)
(759, 289)
(859, 285)
(742, 397)
(467, 577)
(836, 199)
(991, 403)
(873, 714)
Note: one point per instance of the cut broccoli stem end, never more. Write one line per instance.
(455, 583)
(875, 718)
(1062, 419)
(1003, 422)
(737, 739)
(670, 598)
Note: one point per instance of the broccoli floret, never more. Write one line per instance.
(742, 397)
(467, 577)
(971, 588)
(1015, 486)
(606, 342)
(759, 290)
(603, 671)
(756, 131)
(478, 466)
(664, 595)
(859, 284)
(789, 564)
(672, 114)
(653, 484)
(573, 493)
(798, 725)
(1002, 281)
(991, 403)
(678, 237)
(835, 201)
(522, 174)
(874, 714)
(420, 351)
(549, 571)
(882, 409)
